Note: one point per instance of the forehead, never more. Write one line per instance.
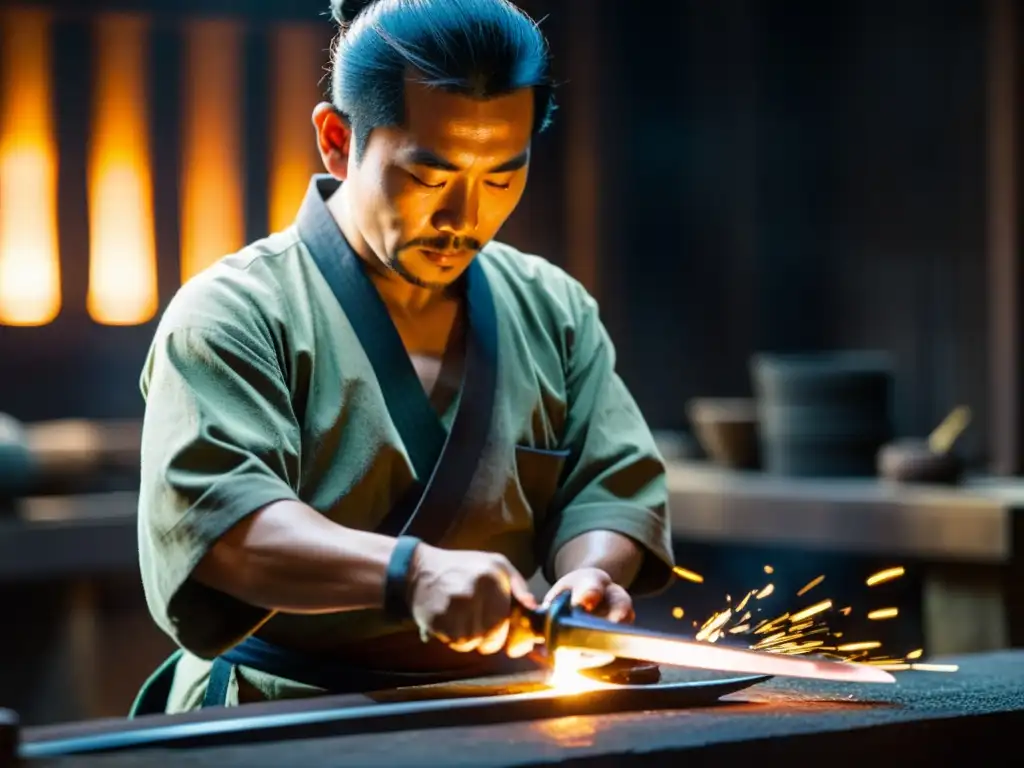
(450, 122)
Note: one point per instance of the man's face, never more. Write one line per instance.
(430, 194)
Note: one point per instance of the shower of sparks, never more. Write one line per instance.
(883, 576)
(807, 629)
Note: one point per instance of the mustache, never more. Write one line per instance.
(443, 243)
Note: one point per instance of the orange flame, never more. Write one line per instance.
(297, 66)
(122, 263)
(30, 291)
(212, 208)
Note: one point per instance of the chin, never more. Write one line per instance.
(423, 279)
(427, 275)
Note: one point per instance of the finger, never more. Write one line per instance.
(564, 584)
(465, 646)
(521, 648)
(494, 641)
(619, 604)
(521, 590)
(588, 591)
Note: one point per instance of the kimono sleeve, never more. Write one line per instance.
(219, 442)
(614, 477)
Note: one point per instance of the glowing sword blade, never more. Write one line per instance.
(587, 633)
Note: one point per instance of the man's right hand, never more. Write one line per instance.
(464, 598)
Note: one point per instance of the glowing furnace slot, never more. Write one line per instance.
(122, 244)
(30, 290)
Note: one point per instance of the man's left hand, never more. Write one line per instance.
(594, 591)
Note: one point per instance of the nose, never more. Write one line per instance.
(459, 213)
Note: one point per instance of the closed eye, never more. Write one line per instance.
(496, 185)
(422, 183)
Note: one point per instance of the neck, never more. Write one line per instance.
(399, 295)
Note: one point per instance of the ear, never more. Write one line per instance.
(334, 139)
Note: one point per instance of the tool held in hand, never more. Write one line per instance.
(560, 625)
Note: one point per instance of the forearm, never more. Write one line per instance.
(288, 557)
(617, 555)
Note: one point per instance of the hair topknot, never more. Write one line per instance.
(345, 11)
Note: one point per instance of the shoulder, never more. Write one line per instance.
(244, 294)
(536, 284)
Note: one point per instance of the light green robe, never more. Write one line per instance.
(257, 390)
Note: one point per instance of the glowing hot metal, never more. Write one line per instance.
(560, 626)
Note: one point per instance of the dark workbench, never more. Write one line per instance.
(933, 718)
(974, 523)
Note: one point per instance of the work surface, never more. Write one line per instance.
(927, 717)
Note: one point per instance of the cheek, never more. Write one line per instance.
(501, 204)
(409, 206)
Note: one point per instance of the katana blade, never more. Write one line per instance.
(631, 643)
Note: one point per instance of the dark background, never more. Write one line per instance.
(760, 176)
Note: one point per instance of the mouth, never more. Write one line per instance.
(443, 258)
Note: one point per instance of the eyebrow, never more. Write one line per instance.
(428, 159)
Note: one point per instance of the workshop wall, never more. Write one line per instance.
(773, 176)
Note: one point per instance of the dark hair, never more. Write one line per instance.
(481, 48)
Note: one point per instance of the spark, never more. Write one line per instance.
(713, 625)
(884, 613)
(935, 667)
(883, 576)
(683, 573)
(915, 654)
(743, 602)
(770, 625)
(778, 637)
(810, 586)
(815, 609)
(865, 646)
(678, 613)
(765, 592)
(769, 569)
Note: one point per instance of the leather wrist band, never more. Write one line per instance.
(396, 583)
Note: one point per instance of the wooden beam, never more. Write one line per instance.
(583, 147)
(1006, 319)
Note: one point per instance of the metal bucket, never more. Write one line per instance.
(823, 415)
